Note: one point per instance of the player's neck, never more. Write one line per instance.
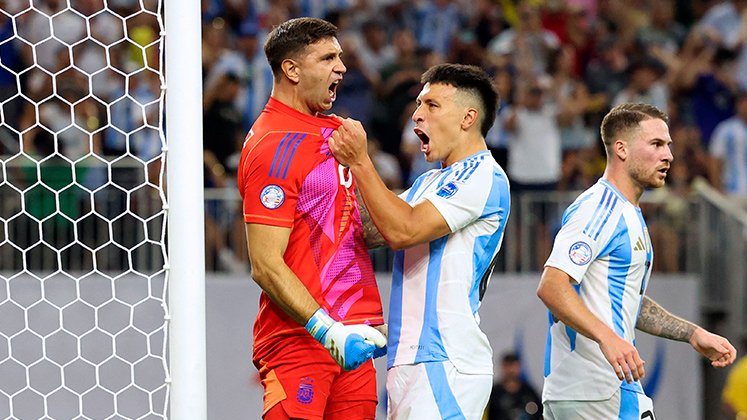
(624, 184)
(470, 146)
(291, 98)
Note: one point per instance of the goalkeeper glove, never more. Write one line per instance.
(349, 345)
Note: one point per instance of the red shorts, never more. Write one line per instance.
(299, 374)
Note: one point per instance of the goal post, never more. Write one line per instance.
(187, 345)
(102, 278)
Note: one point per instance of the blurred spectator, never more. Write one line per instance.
(498, 137)
(663, 33)
(729, 147)
(534, 154)
(250, 66)
(705, 76)
(726, 23)
(222, 129)
(605, 76)
(529, 43)
(572, 97)
(512, 397)
(441, 21)
(12, 64)
(645, 85)
(386, 164)
(374, 49)
(400, 84)
(357, 87)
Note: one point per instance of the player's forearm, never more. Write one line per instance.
(560, 298)
(391, 215)
(371, 234)
(285, 289)
(656, 320)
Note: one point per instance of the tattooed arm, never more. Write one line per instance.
(371, 235)
(656, 320)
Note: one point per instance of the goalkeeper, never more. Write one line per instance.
(313, 336)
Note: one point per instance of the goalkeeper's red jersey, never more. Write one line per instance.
(287, 177)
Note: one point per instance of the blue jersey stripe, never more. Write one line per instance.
(284, 155)
(548, 345)
(474, 167)
(619, 263)
(570, 332)
(598, 223)
(498, 204)
(395, 307)
(442, 393)
(573, 208)
(606, 218)
(277, 153)
(593, 217)
(293, 151)
(628, 406)
(430, 344)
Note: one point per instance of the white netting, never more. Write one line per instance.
(82, 225)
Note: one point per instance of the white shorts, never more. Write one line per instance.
(435, 390)
(624, 405)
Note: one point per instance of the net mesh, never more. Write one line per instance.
(82, 222)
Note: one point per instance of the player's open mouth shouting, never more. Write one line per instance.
(333, 90)
(424, 140)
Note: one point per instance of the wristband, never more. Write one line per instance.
(318, 324)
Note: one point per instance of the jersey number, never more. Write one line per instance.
(346, 178)
(648, 414)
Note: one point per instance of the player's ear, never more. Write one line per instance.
(621, 149)
(470, 118)
(290, 70)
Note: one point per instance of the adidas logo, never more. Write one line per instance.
(639, 246)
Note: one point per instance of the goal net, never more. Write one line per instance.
(83, 267)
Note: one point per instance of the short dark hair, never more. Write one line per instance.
(626, 117)
(468, 78)
(510, 357)
(290, 37)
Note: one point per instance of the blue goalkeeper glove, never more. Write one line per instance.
(349, 345)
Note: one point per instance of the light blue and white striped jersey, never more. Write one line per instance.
(729, 143)
(436, 286)
(604, 246)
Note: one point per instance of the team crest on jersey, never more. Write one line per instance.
(272, 196)
(580, 253)
(447, 190)
(305, 393)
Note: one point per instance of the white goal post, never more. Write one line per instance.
(186, 210)
(102, 279)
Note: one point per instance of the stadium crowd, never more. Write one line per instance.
(559, 65)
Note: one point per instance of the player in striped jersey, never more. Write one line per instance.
(447, 229)
(595, 281)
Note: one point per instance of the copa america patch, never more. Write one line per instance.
(447, 190)
(580, 253)
(272, 196)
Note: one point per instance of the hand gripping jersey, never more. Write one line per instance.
(604, 246)
(436, 286)
(287, 177)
